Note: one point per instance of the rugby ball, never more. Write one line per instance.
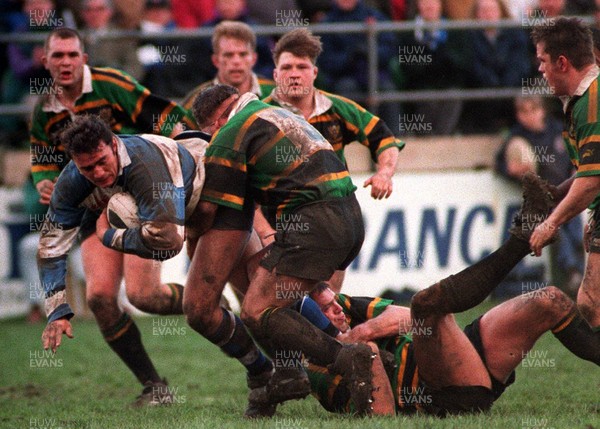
(122, 211)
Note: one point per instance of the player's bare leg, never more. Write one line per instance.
(103, 269)
(588, 297)
(277, 327)
(336, 281)
(509, 330)
(216, 257)
(145, 290)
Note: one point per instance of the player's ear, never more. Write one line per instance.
(214, 60)
(254, 57)
(275, 73)
(85, 58)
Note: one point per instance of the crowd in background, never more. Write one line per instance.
(482, 58)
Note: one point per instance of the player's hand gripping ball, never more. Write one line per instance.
(122, 211)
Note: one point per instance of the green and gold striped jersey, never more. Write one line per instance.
(405, 379)
(275, 158)
(126, 105)
(342, 121)
(582, 129)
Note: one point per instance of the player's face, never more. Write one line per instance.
(64, 59)
(294, 76)
(220, 115)
(234, 60)
(100, 167)
(551, 70)
(331, 309)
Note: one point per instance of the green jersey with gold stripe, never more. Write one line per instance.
(582, 129)
(273, 157)
(342, 121)
(126, 105)
(404, 380)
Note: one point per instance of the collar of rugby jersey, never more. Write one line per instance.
(52, 104)
(255, 89)
(241, 103)
(124, 159)
(322, 103)
(584, 84)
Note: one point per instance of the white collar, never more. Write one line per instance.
(322, 103)
(52, 104)
(242, 102)
(583, 86)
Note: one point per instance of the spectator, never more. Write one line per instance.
(345, 63)
(535, 145)
(26, 77)
(315, 10)
(96, 16)
(500, 60)
(266, 13)
(432, 59)
(193, 13)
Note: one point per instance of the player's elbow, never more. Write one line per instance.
(163, 237)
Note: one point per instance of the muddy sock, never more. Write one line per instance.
(233, 339)
(288, 330)
(176, 298)
(575, 334)
(472, 285)
(126, 341)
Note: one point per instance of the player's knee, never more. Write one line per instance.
(99, 302)
(250, 316)
(199, 314)
(552, 301)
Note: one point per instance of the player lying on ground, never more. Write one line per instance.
(445, 370)
(165, 177)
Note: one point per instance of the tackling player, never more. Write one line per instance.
(437, 368)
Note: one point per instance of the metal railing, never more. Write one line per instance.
(372, 97)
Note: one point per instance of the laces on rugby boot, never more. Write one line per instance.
(154, 393)
(354, 363)
(271, 388)
(537, 204)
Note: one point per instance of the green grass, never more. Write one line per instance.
(88, 387)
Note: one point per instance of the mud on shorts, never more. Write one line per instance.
(317, 239)
(595, 236)
(465, 399)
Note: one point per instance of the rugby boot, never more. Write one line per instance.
(537, 204)
(354, 363)
(274, 387)
(154, 393)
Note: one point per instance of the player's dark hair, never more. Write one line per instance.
(568, 37)
(299, 42)
(84, 134)
(209, 100)
(64, 33)
(319, 289)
